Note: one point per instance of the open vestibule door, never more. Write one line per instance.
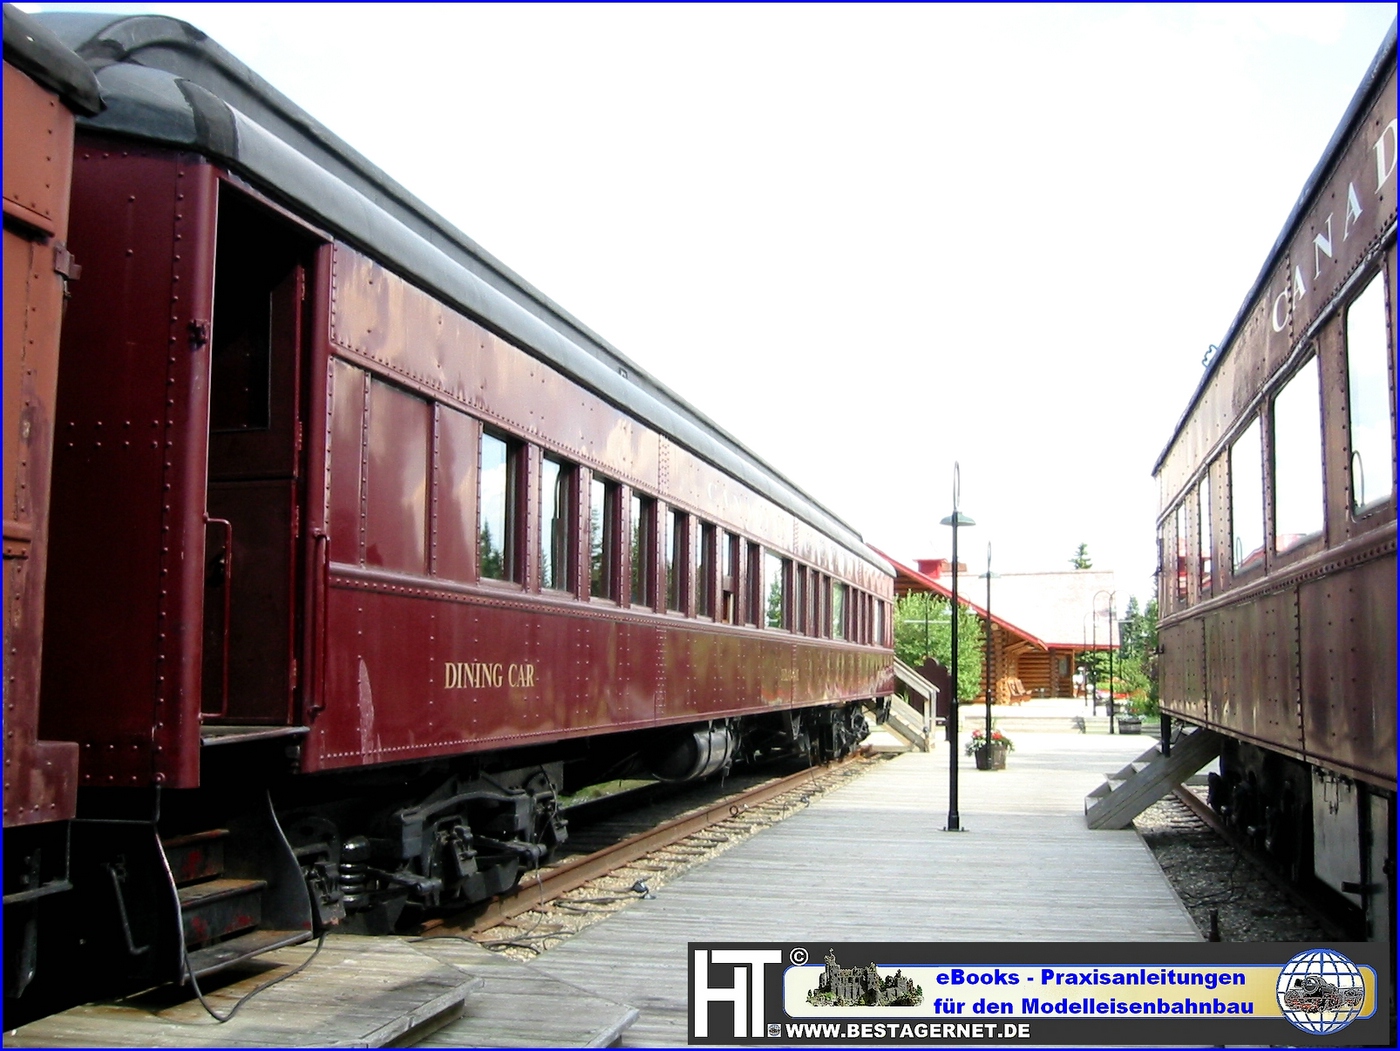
(256, 560)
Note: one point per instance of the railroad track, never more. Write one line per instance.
(1230, 893)
(629, 869)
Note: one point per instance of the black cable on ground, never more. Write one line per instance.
(221, 1019)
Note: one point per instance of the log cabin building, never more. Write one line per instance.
(1042, 623)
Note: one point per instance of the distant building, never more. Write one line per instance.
(1042, 623)
(862, 987)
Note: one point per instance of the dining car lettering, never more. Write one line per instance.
(477, 675)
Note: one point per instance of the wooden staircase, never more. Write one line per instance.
(903, 719)
(1148, 778)
(240, 894)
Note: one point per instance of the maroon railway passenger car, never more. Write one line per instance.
(1277, 534)
(45, 83)
(364, 552)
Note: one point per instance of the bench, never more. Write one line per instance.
(1017, 691)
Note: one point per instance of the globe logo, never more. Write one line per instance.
(1320, 991)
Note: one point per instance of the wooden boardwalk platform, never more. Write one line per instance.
(870, 863)
(359, 992)
(521, 1005)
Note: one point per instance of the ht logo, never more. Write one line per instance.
(746, 992)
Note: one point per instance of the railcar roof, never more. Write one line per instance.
(35, 49)
(166, 81)
(1385, 57)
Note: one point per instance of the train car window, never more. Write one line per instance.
(675, 557)
(1370, 411)
(1297, 434)
(1182, 594)
(1247, 500)
(838, 610)
(497, 519)
(705, 572)
(774, 593)
(728, 583)
(349, 387)
(602, 538)
(396, 508)
(879, 639)
(754, 606)
(556, 519)
(643, 523)
(1204, 532)
(454, 542)
(799, 600)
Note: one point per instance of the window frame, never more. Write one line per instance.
(675, 558)
(510, 551)
(1305, 543)
(606, 570)
(567, 479)
(1239, 569)
(642, 520)
(1367, 512)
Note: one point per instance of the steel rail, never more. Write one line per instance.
(535, 890)
(1295, 894)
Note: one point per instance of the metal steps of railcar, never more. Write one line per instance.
(221, 915)
(245, 946)
(219, 907)
(196, 856)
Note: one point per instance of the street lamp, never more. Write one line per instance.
(1084, 656)
(957, 518)
(1111, 596)
(987, 646)
(1094, 649)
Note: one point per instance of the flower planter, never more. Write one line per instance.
(1130, 724)
(991, 757)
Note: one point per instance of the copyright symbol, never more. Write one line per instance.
(798, 956)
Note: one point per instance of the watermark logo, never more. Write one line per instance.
(743, 987)
(1320, 991)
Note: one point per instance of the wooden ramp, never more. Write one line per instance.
(870, 863)
(521, 1005)
(359, 992)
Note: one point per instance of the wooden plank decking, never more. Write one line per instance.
(866, 863)
(522, 1006)
(359, 992)
(870, 863)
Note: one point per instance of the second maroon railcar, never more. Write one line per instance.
(44, 85)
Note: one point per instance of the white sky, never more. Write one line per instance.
(868, 241)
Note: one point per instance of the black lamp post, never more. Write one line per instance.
(987, 645)
(956, 519)
(1094, 648)
(1084, 658)
(1111, 596)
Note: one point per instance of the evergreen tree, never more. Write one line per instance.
(1081, 559)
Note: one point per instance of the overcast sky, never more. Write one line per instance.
(868, 241)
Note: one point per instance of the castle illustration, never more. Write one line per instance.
(862, 987)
